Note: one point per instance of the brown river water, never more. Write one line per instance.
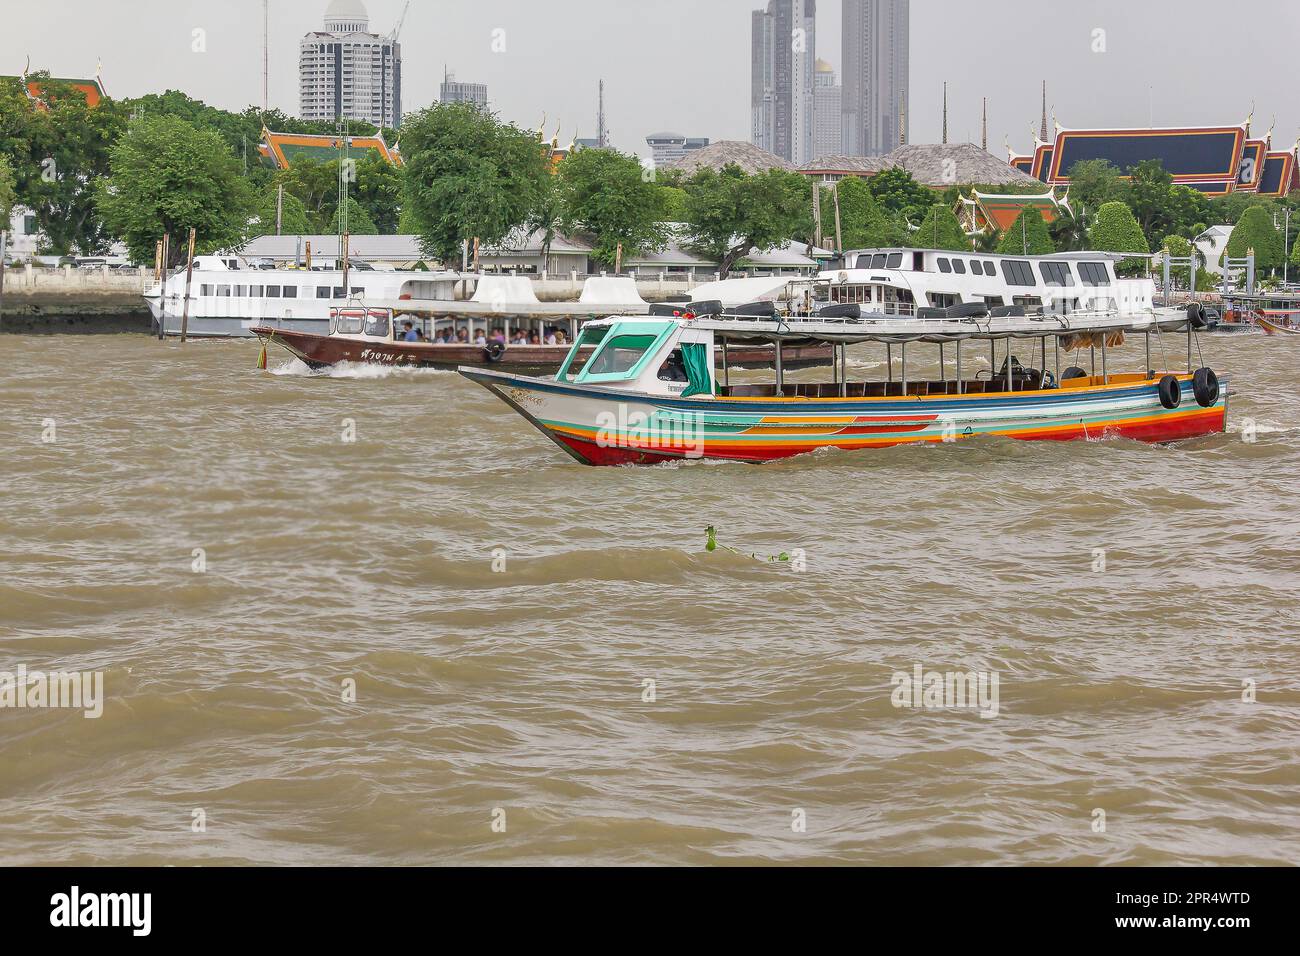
(550, 668)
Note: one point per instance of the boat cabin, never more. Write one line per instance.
(908, 282)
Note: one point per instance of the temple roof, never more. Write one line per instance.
(282, 149)
(721, 154)
(92, 89)
(1000, 211)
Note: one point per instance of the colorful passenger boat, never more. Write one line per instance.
(649, 392)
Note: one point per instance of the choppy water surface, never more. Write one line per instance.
(326, 561)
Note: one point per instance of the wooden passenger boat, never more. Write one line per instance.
(1279, 323)
(373, 336)
(649, 392)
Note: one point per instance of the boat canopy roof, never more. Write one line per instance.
(899, 329)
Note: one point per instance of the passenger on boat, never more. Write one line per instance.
(534, 338)
(550, 337)
(498, 336)
(480, 337)
(408, 333)
(519, 338)
(462, 337)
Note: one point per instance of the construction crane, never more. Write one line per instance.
(397, 30)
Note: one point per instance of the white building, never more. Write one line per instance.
(827, 106)
(24, 235)
(454, 92)
(667, 148)
(1212, 244)
(347, 72)
(875, 65)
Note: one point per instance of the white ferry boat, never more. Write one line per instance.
(229, 297)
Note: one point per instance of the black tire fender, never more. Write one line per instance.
(1205, 386)
(1171, 392)
(494, 351)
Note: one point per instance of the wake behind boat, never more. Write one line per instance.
(649, 393)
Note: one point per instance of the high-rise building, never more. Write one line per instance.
(876, 105)
(347, 72)
(781, 97)
(827, 110)
(454, 92)
(667, 148)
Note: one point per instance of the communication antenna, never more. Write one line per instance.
(602, 133)
(266, 55)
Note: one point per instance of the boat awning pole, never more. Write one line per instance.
(1056, 346)
(1105, 378)
(1148, 337)
(943, 369)
(780, 373)
(889, 359)
(1010, 385)
(1189, 346)
(844, 371)
(903, 349)
(1043, 374)
(960, 384)
(726, 370)
(1092, 349)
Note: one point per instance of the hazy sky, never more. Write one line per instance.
(683, 65)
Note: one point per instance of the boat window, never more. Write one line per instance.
(673, 370)
(895, 261)
(273, 292)
(620, 354)
(878, 260)
(1017, 272)
(223, 290)
(1029, 302)
(993, 301)
(358, 291)
(291, 292)
(990, 269)
(205, 289)
(349, 323)
(945, 266)
(960, 266)
(590, 337)
(1094, 273)
(338, 292)
(943, 300)
(255, 291)
(322, 292)
(241, 291)
(1056, 273)
(377, 324)
(976, 267)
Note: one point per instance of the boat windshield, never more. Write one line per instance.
(591, 336)
(377, 324)
(349, 323)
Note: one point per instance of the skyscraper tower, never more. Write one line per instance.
(876, 39)
(1043, 133)
(783, 85)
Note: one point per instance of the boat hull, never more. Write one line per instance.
(323, 351)
(1271, 327)
(601, 426)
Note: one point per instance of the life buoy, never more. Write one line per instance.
(1171, 392)
(1205, 386)
(494, 351)
(1196, 316)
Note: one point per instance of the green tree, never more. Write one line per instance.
(673, 202)
(1069, 231)
(1161, 207)
(469, 176)
(900, 195)
(316, 186)
(294, 218)
(167, 176)
(378, 188)
(1116, 230)
(607, 197)
(1093, 183)
(865, 225)
(57, 155)
(1028, 236)
(359, 222)
(7, 193)
(728, 213)
(941, 230)
(1255, 230)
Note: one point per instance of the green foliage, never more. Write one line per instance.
(469, 176)
(1230, 208)
(1162, 208)
(167, 176)
(56, 156)
(359, 222)
(378, 189)
(729, 213)
(1028, 236)
(316, 186)
(1255, 230)
(673, 202)
(607, 198)
(1116, 230)
(901, 196)
(1069, 231)
(941, 230)
(1093, 183)
(7, 192)
(294, 219)
(1179, 247)
(864, 224)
